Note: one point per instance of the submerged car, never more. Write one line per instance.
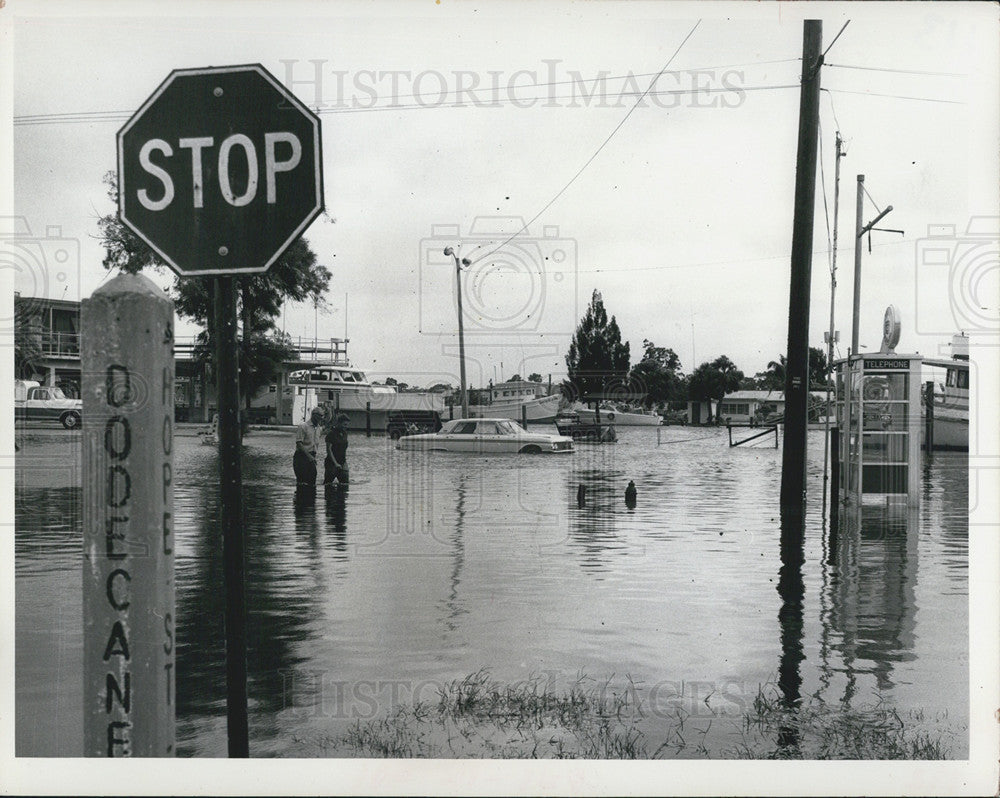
(486, 436)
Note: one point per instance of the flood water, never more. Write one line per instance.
(433, 566)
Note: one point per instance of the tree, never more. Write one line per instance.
(597, 359)
(776, 370)
(27, 341)
(296, 275)
(714, 380)
(515, 378)
(657, 376)
(534, 377)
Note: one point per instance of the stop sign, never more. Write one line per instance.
(220, 170)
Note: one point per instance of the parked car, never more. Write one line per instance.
(34, 402)
(486, 436)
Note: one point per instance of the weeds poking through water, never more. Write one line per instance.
(479, 717)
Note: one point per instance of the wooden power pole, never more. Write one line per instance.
(793, 462)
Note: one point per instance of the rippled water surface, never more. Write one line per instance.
(433, 566)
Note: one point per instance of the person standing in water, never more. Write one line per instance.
(335, 464)
(307, 437)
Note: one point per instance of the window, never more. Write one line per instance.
(465, 428)
(963, 379)
(487, 428)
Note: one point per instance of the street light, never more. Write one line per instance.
(461, 337)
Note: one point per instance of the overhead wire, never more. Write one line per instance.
(826, 210)
(597, 152)
(899, 71)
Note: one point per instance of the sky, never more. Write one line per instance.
(677, 205)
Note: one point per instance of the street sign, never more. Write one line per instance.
(220, 170)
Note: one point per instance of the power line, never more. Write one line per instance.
(833, 108)
(826, 210)
(899, 71)
(870, 197)
(829, 46)
(600, 148)
(95, 117)
(898, 96)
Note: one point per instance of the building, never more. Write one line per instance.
(47, 332)
(743, 407)
(516, 390)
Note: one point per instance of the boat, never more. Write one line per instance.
(569, 425)
(349, 392)
(540, 409)
(622, 416)
(951, 397)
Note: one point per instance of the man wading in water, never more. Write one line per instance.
(306, 443)
(335, 465)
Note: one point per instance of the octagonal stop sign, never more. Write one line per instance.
(220, 170)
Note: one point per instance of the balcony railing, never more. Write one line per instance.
(59, 344)
(307, 350)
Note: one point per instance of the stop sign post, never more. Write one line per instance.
(219, 172)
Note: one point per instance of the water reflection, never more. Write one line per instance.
(870, 583)
(453, 607)
(281, 563)
(791, 589)
(336, 517)
(592, 515)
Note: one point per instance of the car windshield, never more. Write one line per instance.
(56, 393)
(511, 428)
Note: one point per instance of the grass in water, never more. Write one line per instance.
(482, 718)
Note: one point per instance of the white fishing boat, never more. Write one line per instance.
(347, 390)
(951, 396)
(619, 416)
(538, 410)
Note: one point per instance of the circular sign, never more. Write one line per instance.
(220, 170)
(890, 329)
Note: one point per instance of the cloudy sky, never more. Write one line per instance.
(456, 123)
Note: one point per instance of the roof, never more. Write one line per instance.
(765, 396)
(518, 384)
(761, 396)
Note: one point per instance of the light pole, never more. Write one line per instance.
(461, 337)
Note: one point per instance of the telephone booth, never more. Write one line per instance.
(879, 408)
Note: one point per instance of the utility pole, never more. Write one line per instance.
(793, 462)
(461, 337)
(860, 234)
(833, 292)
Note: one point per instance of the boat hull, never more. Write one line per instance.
(537, 410)
(621, 419)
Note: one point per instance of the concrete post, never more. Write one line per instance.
(128, 538)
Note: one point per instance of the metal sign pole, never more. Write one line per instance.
(231, 513)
